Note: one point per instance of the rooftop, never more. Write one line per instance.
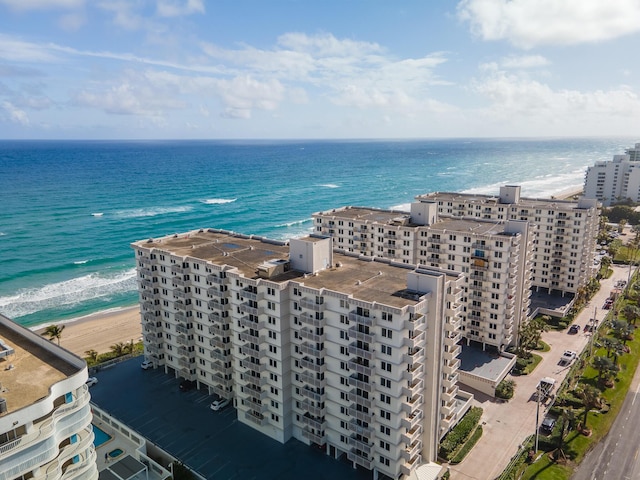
(495, 200)
(367, 279)
(365, 214)
(28, 373)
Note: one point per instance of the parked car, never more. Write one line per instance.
(146, 364)
(91, 381)
(547, 424)
(567, 357)
(220, 404)
(573, 329)
(186, 385)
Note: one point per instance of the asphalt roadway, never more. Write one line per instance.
(507, 424)
(214, 444)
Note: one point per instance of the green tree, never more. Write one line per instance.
(590, 397)
(603, 365)
(631, 313)
(622, 330)
(54, 332)
(92, 355)
(621, 224)
(530, 335)
(118, 349)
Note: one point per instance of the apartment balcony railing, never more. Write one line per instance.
(250, 295)
(178, 270)
(310, 349)
(314, 410)
(356, 317)
(256, 418)
(355, 382)
(354, 349)
(413, 388)
(311, 320)
(356, 427)
(355, 334)
(359, 414)
(412, 435)
(311, 379)
(310, 363)
(185, 328)
(255, 367)
(309, 334)
(419, 322)
(360, 459)
(215, 279)
(311, 304)
(360, 367)
(311, 394)
(314, 437)
(249, 309)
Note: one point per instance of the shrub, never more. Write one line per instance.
(460, 432)
(505, 389)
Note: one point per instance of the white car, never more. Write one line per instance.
(91, 381)
(567, 357)
(146, 364)
(220, 404)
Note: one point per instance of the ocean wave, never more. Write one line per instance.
(218, 201)
(151, 212)
(293, 224)
(67, 293)
(329, 185)
(80, 262)
(403, 207)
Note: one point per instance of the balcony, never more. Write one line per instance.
(412, 435)
(360, 366)
(178, 270)
(310, 363)
(146, 283)
(146, 295)
(256, 418)
(360, 459)
(355, 334)
(247, 308)
(413, 388)
(150, 317)
(412, 406)
(178, 282)
(312, 380)
(412, 421)
(252, 352)
(411, 465)
(249, 337)
(354, 397)
(365, 417)
(218, 305)
(451, 367)
(310, 349)
(314, 410)
(185, 364)
(151, 328)
(358, 318)
(255, 406)
(180, 317)
(314, 423)
(355, 382)
(449, 395)
(186, 341)
(313, 437)
(358, 428)
(184, 329)
(360, 352)
(145, 260)
(311, 394)
(218, 355)
(412, 450)
(255, 367)
(419, 322)
(311, 320)
(247, 322)
(214, 292)
(416, 340)
(250, 295)
(152, 349)
(360, 445)
(252, 390)
(215, 279)
(311, 304)
(218, 330)
(309, 334)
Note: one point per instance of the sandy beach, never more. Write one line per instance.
(101, 330)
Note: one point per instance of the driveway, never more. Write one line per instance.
(507, 424)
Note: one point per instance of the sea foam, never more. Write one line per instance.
(218, 201)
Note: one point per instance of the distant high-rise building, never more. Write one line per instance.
(45, 416)
(359, 356)
(615, 181)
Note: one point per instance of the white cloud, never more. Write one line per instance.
(524, 61)
(15, 114)
(530, 23)
(16, 50)
(72, 21)
(176, 8)
(516, 99)
(42, 4)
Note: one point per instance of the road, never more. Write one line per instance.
(617, 456)
(507, 424)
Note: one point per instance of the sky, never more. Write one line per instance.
(330, 69)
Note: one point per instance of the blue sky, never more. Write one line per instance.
(171, 69)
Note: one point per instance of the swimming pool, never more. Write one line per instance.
(99, 436)
(116, 453)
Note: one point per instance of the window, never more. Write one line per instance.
(387, 333)
(386, 349)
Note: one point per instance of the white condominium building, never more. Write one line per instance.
(358, 356)
(45, 417)
(614, 181)
(565, 232)
(494, 257)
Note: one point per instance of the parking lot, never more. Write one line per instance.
(214, 444)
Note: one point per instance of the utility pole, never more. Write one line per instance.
(537, 416)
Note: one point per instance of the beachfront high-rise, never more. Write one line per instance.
(617, 180)
(503, 246)
(356, 355)
(45, 416)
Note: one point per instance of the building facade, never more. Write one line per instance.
(564, 232)
(614, 181)
(357, 356)
(45, 416)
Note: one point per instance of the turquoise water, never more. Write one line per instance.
(71, 209)
(116, 452)
(99, 436)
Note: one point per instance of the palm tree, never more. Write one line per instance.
(568, 419)
(590, 397)
(631, 313)
(621, 224)
(602, 365)
(54, 331)
(119, 349)
(92, 355)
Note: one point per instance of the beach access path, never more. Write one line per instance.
(101, 330)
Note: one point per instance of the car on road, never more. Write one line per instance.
(573, 329)
(547, 424)
(567, 357)
(186, 385)
(219, 404)
(91, 381)
(146, 365)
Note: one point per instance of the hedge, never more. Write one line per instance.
(460, 432)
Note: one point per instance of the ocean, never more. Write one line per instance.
(70, 209)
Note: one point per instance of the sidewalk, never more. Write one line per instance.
(507, 424)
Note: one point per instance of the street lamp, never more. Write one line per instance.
(535, 451)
